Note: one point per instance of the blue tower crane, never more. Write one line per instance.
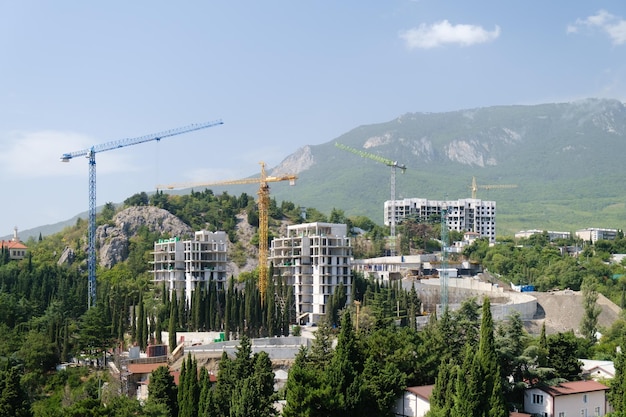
(90, 153)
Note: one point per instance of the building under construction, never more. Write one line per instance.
(468, 214)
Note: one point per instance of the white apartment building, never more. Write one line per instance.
(552, 235)
(315, 259)
(594, 234)
(465, 215)
(185, 265)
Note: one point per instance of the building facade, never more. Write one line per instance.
(414, 402)
(315, 259)
(593, 234)
(552, 235)
(465, 215)
(15, 247)
(578, 398)
(185, 265)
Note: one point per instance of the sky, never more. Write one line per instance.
(280, 75)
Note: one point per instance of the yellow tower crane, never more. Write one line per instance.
(264, 204)
(475, 187)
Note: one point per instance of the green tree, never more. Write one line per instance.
(469, 395)
(172, 324)
(591, 311)
(495, 406)
(94, 333)
(563, 351)
(254, 394)
(162, 390)
(188, 389)
(14, 400)
(342, 374)
(306, 392)
(444, 391)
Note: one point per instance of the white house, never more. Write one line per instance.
(415, 402)
(598, 369)
(578, 398)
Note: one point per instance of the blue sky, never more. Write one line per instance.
(279, 74)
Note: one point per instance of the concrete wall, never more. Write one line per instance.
(503, 304)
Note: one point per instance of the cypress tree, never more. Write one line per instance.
(341, 374)
(65, 355)
(270, 304)
(496, 406)
(469, 396)
(162, 389)
(172, 326)
(182, 388)
(227, 310)
(617, 392)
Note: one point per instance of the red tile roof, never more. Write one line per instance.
(144, 368)
(12, 244)
(575, 387)
(423, 391)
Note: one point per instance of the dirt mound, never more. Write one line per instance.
(562, 311)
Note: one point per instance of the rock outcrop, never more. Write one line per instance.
(112, 239)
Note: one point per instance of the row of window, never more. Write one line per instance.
(538, 399)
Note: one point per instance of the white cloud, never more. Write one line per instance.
(613, 26)
(38, 155)
(441, 33)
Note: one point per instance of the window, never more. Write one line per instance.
(537, 399)
(597, 412)
(585, 398)
(562, 414)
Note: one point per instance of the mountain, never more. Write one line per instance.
(566, 159)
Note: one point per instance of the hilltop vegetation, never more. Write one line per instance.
(45, 320)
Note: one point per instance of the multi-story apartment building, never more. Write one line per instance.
(315, 259)
(552, 235)
(185, 265)
(594, 234)
(465, 215)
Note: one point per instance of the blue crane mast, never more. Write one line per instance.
(90, 153)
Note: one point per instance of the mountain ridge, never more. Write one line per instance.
(565, 158)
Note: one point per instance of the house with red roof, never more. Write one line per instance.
(577, 398)
(17, 250)
(415, 401)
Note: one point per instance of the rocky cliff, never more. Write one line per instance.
(112, 239)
